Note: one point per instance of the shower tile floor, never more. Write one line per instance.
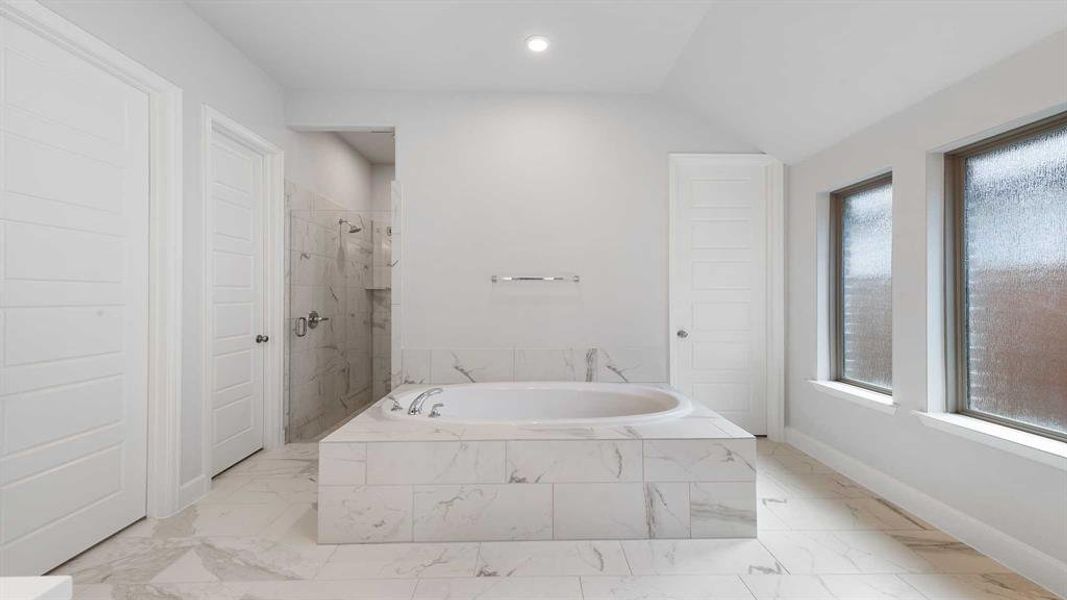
(821, 536)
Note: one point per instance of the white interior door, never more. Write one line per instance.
(74, 222)
(719, 280)
(236, 187)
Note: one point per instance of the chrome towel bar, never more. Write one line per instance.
(499, 278)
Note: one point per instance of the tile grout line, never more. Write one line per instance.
(772, 554)
(908, 583)
(626, 557)
(747, 587)
(477, 560)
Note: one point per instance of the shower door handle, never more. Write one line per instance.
(314, 319)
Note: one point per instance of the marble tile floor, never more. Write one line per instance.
(821, 537)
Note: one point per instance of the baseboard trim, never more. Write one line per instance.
(1023, 558)
(192, 490)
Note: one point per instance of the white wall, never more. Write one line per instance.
(381, 187)
(1019, 497)
(324, 164)
(175, 43)
(529, 183)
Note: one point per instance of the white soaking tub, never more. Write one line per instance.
(548, 404)
(536, 461)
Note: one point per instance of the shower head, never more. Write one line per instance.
(352, 228)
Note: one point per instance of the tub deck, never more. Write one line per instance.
(388, 480)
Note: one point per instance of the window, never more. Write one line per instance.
(862, 279)
(1008, 252)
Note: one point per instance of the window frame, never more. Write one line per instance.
(956, 355)
(837, 291)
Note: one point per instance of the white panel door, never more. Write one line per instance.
(74, 179)
(719, 281)
(236, 188)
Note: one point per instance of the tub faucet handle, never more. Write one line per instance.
(396, 405)
(434, 412)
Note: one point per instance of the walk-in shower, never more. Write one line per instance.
(340, 343)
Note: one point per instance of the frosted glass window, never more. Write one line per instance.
(864, 329)
(1014, 252)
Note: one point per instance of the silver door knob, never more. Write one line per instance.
(682, 333)
(262, 338)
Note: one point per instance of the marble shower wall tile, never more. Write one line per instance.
(472, 365)
(435, 462)
(549, 364)
(382, 346)
(723, 510)
(414, 367)
(343, 463)
(573, 461)
(382, 378)
(599, 511)
(700, 460)
(395, 356)
(638, 364)
(482, 512)
(467, 365)
(667, 509)
(356, 514)
(329, 369)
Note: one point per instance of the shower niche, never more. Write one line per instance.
(339, 305)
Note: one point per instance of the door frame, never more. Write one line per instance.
(215, 123)
(775, 308)
(165, 240)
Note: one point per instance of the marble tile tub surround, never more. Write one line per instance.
(330, 372)
(253, 538)
(389, 480)
(624, 364)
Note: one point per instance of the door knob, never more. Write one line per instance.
(262, 338)
(682, 333)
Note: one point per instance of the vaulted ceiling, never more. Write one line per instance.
(789, 76)
(459, 46)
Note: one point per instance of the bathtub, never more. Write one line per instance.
(536, 461)
(543, 405)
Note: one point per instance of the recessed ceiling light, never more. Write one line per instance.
(537, 43)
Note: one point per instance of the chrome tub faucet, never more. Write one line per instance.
(416, 404)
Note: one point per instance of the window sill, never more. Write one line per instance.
(857, 395)
(1028, 445)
